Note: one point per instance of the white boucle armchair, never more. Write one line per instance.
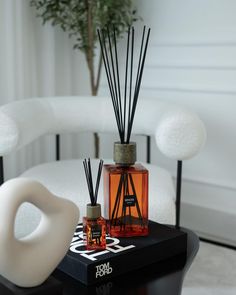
(179, 134)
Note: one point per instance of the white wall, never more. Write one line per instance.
(192, 61)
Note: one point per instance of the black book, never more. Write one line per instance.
(122, 254)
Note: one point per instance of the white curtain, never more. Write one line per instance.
(36, 60)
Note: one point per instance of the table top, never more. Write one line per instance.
(165, 277)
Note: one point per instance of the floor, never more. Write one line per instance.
(213, 272)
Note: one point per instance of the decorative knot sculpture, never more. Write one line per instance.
(27, 262)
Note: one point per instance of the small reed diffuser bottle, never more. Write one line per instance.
(125, 183)
(94, 225)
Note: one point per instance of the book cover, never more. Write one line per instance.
(121, 255)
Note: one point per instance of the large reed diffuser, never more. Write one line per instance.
(125, 183)
(94, 224)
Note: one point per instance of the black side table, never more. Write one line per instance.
(165, 278)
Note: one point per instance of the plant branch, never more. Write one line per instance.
(98, 72)
(90, 53)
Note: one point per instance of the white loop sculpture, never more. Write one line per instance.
(29, 261)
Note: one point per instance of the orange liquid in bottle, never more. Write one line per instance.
(95, 233)
(126, 200)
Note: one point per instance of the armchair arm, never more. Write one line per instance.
(21, 122)
(24, 121)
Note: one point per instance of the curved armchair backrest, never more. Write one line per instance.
(75, 114)
(23, 121)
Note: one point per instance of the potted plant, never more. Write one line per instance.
(81, 18)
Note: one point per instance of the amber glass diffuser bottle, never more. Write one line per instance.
(125, 183)
(126, 193)
(94, 225)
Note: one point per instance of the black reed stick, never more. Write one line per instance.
(126, 74)
(131, 76)
(98, 179)
(139, 78)
(109, 77)
(88, 173)
(88, 179)
(140, 56)
(124, 111)
(117, 74)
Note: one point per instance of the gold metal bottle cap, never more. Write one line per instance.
(124, 154)
(93, 212)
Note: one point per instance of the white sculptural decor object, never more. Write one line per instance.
(28, 262)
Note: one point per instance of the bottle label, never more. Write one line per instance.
(96, 231)
(129, 200)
